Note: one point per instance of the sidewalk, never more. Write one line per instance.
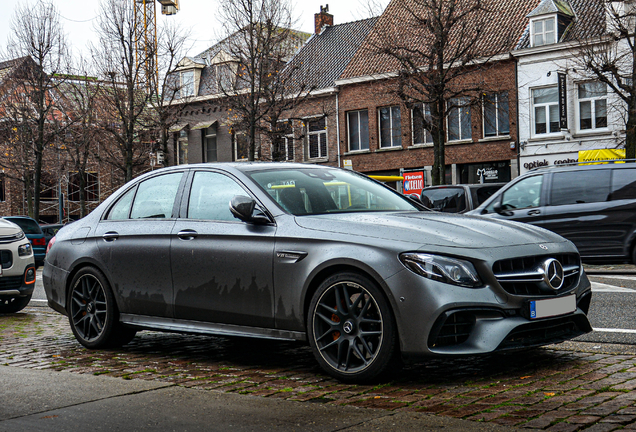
(568, 387)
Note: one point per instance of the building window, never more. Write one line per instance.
(210, 144)
(496, 115)
(317, 137)
(592, 105)
(187, 83)
(91, 189)
(283, 148)
(545, 102)
(358, 125)
(459, 125)
(421, 135)
(241, 146)
(543, 32)
(390, 127)
(226, 77)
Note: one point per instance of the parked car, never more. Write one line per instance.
(458, 198)
(594, 206)
(311, 253)
(34, 233)
(17, 268)
(50, 230)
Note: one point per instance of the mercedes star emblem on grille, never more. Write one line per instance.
(553, 273)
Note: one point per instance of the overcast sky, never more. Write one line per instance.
(200, 15)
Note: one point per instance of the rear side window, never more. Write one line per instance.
(448, 200)
(623, 184)
(29, 226)
(154, 199)
(483, 193)
(579, 187)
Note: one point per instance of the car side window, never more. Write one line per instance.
(155, 197)
(210, 196)
(579, 187)
(121, 209)
(623, 184)
(526, 193)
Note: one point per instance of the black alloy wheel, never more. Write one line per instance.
(351, 328)
(13, 304)
(92, 311)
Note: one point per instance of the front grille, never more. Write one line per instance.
(10, 282)
(524, 276)
(6, 259)
(454, 330)
(545, 332)
(12, 237)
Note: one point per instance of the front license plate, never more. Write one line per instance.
(552, 307)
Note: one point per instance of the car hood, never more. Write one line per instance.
(429, 228)
(8, 228)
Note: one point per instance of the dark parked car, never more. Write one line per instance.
(458, 198)
(594, 206)
(35, 235)
(50, 231)
(311, 253)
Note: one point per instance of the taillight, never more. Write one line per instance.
(29, 275)
(51, 243)
(39, 241)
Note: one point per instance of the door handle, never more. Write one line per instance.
(534, 212)
(110, 236)
(187, 234)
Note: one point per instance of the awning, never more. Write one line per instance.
(177, 127)
(203, 125)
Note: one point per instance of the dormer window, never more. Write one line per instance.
(187, 83)
(543, 31)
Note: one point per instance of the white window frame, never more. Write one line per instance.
(323, 133)
(543, 33)
(426, 112)
(391, 127)
(549, 107)
(288, 141)
(360, 148)
(498, 133)
(186, 84)
(460, 103)
(592, 101)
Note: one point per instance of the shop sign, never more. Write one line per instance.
(601, 155)
(347, 164)
(413, 182)
(489, 173)
(563, 102)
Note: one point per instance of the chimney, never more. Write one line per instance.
(324, 18)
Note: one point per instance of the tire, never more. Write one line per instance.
(13, 304)
(351, 328)
(92, 312)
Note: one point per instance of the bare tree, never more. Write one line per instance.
(439, 49)
(259, 42)
(37, 34)
(612, 60)
(127, 93)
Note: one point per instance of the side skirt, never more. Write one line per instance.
(200, 327)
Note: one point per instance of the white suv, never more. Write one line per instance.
(17, 268)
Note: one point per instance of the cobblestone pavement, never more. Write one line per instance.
(567, 387)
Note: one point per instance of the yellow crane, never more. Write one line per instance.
(146, 35)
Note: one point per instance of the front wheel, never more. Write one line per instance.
(93, 313)
(13, 304)
(351, 328)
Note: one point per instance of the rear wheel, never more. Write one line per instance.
(93, 313)
(351, 328)
(13, 304)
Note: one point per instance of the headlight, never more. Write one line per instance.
(25, 249)
(444, 269)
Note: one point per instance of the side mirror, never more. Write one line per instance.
(244, 208)
(498, 208)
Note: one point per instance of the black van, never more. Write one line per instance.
(594, 206)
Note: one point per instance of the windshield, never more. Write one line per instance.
(311, 191)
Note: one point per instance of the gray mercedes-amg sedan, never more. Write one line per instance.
(316, 254)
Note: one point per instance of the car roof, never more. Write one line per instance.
(614, 164)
